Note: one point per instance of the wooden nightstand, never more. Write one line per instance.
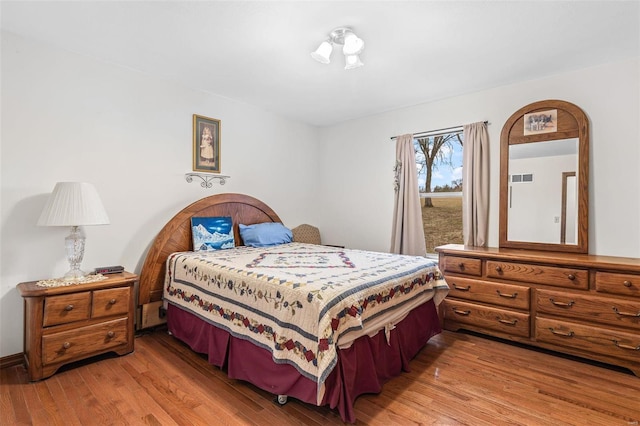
(69, 323)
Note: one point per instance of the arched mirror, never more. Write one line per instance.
(544, 178)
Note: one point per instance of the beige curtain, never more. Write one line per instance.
(475, 189)
(407, 234)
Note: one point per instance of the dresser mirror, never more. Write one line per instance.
(544, 169)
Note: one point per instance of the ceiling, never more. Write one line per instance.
(257, 52)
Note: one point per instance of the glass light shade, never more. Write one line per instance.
(352, 44)
(352, 61)
(323, 52)
(74, 204)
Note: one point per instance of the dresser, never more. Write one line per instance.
(579, 304)
(68, 323)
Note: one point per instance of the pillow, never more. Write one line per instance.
(212, 233)
(265, 234)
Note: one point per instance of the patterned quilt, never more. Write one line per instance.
(295, 300)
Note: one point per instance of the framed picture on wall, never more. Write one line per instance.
(206, 144)
(541, 122)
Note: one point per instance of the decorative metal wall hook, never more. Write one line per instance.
(207, 178)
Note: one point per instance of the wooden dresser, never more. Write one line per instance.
(69, 323)
(583, 305)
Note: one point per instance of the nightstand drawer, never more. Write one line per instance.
(462, 265)
(67, 345)
(66, 308)
(509, 295)
(623, 284)
(113, 301)
(514, 323)
(539, 274)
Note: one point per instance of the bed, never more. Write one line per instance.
(317, 323)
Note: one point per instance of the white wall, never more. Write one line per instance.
(67, 117)
(357, 157)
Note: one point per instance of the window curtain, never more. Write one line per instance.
(407, 234)
(475, 188)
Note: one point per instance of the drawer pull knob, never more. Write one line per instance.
(461, 312)
(68, 308)
(561, 333)
(627, 284)
(626, 314)
(508, 322)
(507, 296)
(112, 301)
(563, 304)
(66, 345)
(461, 265)
(629, 347)
(467, 288)
(499, 269)
(110, 334)
(571, 277)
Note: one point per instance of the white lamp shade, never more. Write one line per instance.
(352, 44)
(323, 52)
(73, 204)
(352, 61)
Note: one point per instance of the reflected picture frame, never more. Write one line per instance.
(206, 144)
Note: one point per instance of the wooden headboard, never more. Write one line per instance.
(175, 236)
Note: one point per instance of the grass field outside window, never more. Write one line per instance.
(442, 222)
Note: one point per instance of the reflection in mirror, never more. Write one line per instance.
(568, 221)
(542, 187)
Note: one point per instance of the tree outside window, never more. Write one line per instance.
(439, 168)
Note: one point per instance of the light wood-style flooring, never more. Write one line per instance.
(456, 379)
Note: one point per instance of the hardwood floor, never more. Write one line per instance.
(456, 379)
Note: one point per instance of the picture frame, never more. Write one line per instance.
(206, 144)
(541, 122)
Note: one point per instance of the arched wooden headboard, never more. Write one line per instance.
(175, 236)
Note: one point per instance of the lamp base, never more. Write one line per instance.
(74, 275)
(74, 244)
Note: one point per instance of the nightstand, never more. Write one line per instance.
(68, 323)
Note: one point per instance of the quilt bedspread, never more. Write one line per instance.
(295, 300)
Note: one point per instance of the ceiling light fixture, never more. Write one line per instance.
(352, 46)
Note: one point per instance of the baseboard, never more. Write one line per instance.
(11, 360)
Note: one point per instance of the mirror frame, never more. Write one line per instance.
(572, 123)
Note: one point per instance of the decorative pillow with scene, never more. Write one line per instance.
(212, 233)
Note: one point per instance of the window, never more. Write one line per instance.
(439, 168)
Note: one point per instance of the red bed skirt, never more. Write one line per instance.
(362, 368)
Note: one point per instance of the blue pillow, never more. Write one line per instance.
(265, 234)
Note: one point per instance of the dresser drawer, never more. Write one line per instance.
(502, 320)
(622, 284)
(81, 342)
(605, 310)
(599, 340)
(66, 308)
(548, 275)
(113, 301)
(462, 265)
(511, 296)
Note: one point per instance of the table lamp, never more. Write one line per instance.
(74, 204)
